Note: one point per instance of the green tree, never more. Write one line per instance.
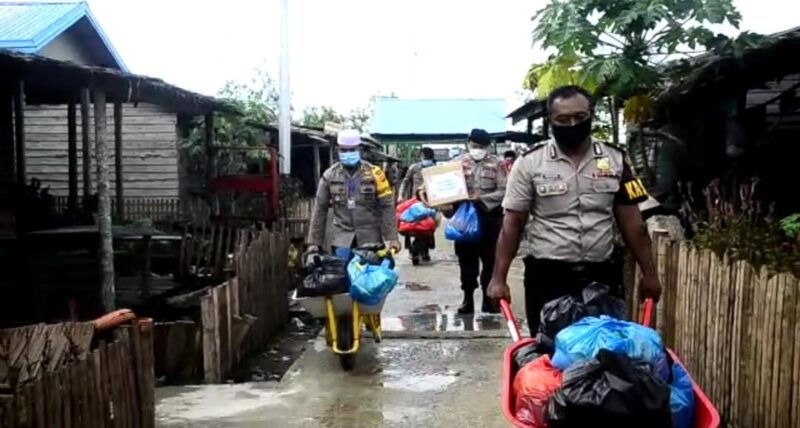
(359, 119)
(256, 101)
(620, 48)
(316, 116)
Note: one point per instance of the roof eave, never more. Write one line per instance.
(106, 40)
(80, 11)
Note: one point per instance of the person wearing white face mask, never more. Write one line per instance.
(486, 182)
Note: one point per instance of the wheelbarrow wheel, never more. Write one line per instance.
(347, 361)
(344, 327)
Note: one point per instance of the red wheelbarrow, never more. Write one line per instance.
(705, 414)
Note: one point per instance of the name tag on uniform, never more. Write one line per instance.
(549, 176)
(552, 189)
(351, 204)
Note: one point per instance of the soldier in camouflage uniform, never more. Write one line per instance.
(360, 199)
(486, 183)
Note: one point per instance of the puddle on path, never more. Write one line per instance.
(433, 320)
(402, 380)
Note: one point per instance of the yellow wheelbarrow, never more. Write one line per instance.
(344, 318)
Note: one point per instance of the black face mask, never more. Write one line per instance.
(572, 136)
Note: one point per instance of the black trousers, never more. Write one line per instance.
(546, 280)
(420, 245)
(476, 259)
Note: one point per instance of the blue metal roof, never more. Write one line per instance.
(27, 27)
(397, 116)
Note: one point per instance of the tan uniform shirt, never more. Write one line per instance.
(571, 205)
(486, 180)
(412, 181)
(362, 203)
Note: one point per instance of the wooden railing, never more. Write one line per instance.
(51, 377)
(156, 209)
(239, 316)
(737, 329)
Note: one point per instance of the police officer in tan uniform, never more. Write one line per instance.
(413, 180)
(419, 246)
(575, 191)
(360, 199)
(486, 182)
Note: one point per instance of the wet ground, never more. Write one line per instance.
(434, 368)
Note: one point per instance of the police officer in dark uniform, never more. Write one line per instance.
(575, 191)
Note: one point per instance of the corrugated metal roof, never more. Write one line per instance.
(23, 23)
(397, 116)
(27, 27)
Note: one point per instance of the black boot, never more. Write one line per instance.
(468, 304)
(489, 305)
(426, 256)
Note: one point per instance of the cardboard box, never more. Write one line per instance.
(445, 184)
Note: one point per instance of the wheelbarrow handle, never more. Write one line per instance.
(647, 312)
(511, 322)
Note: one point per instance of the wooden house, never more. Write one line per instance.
(730, 118)
(69, 32)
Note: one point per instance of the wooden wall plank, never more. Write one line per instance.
(210, 340)
(146, 132)
(785, 348)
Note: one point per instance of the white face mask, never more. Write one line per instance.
(478, 154)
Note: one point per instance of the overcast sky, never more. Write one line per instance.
(344, 51)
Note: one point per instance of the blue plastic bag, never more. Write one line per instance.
(417, 212)
(681, 399)
(584, 339)
(464, 226)
(369, 284)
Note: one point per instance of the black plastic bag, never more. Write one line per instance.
(594, 300)
(559, 314)
(326, 275)
(542, 346)
(598, 300)
(610, 391)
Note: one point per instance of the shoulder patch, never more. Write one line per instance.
(534, 148)
(382, 186)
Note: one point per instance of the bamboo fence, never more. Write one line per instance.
(110, 386)
(736, 328)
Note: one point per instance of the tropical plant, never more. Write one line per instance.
(738, 224)
(620, 48)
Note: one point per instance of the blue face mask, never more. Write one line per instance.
(427, 162)
(350, 158)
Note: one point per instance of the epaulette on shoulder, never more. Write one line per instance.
(534, 148)
(614, 146)
(331, 170)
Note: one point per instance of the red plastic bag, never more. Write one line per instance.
(425, 226)
(533, 385)
(404, 206)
